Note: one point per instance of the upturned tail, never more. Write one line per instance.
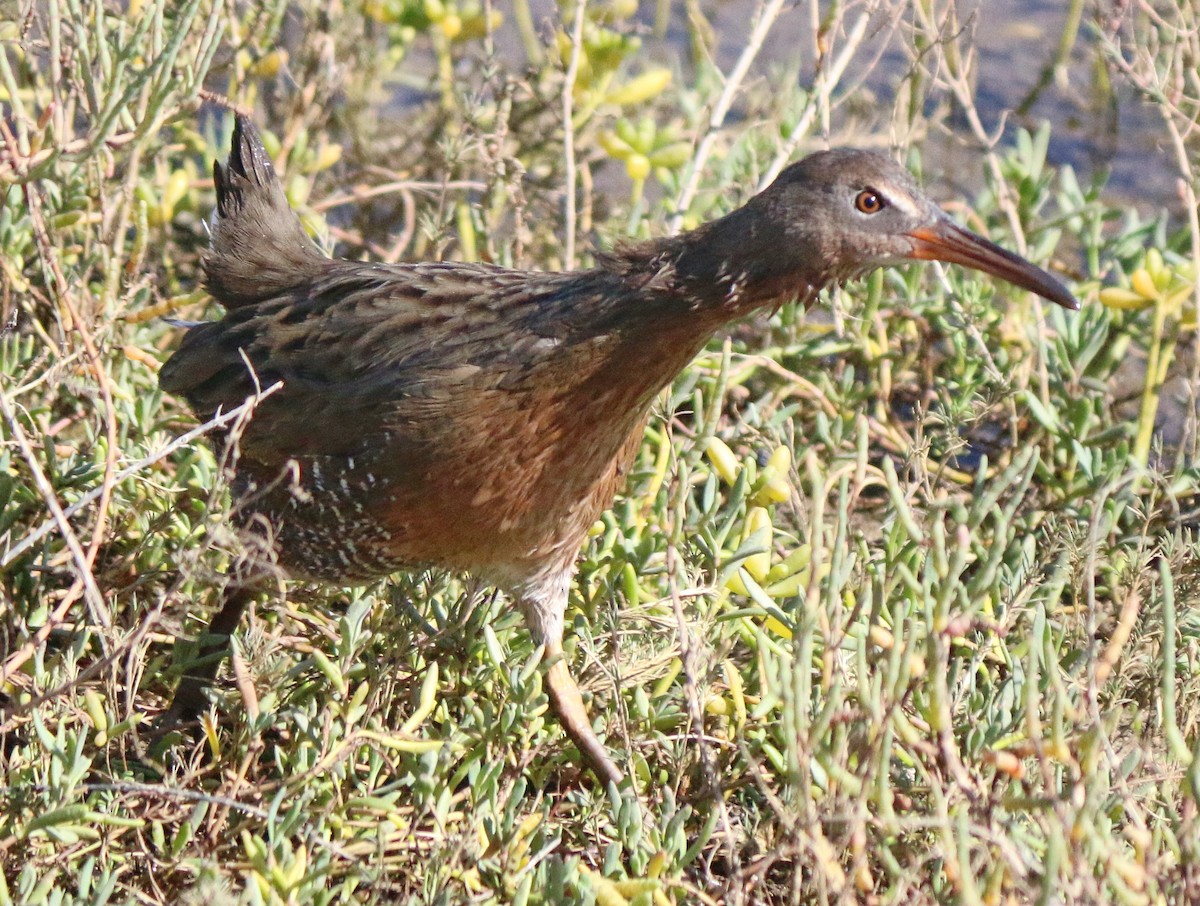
(259, 248)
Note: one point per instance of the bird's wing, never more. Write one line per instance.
(366, 348)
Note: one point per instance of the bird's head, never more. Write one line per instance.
(838, 214)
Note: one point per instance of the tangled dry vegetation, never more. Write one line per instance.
(898, 606)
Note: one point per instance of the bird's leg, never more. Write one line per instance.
(545, 604)
(189, 699)
(568, 707)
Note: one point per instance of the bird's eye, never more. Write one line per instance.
(869, 201)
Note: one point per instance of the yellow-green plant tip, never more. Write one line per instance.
(412, 746)
(759, 533)
(778, 627)
(637, 166)
(723, 460)
(329, 155)
(1124, 299)
(627, 132)
(95, 709)
(427, 701)
(329, 670)
(616, 146)
(788, 586)
(1155, 265)
(1143, 284)
(269, 64)
(736, 582)
(645, 87)
(672, 156)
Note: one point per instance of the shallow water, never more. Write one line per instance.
(1098, 126)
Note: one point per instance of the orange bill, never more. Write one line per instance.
(947, 241)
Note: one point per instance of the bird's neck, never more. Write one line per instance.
(726, 268)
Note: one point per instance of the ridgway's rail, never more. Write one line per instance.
(479, 418)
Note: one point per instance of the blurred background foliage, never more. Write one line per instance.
(898, 605)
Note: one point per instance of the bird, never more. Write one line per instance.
(478, 418)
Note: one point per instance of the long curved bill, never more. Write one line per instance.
(945, 240)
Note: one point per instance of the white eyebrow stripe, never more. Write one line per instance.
(904, 203)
